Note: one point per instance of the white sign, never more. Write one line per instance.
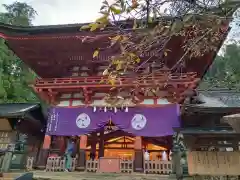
(138, 122)
(83, 121)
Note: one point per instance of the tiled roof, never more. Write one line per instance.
(220, 98)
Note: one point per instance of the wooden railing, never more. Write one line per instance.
(29, 164)
(78, 82)
(1, 161)
(91, 165)
(157, 167)
(126, 166)
(55, 164)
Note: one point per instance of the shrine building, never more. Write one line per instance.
(69, 81)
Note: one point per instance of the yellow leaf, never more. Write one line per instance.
(95, 54)
(94, 27)
(111, 81)
(115, 62)
(112, 88)
(116, 38)
(102, 81)
(138, 60)
(150, 19)
(102, 19)
(132, 54)
(115, 10)
(135, 24)
(119, 66)
(165, 53)
(124, 39)
(84, 27)
(105, 72)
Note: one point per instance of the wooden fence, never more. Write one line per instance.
(29, 163)
(91, 165)
(126, 166)
(1, 161)
(157, 167)
(55, 164)
(214, 163)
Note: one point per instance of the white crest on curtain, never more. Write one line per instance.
(138, 122)
(83, 121)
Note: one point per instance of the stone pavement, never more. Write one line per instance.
(42, 175)
(95, 176)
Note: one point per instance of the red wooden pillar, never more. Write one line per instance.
(44, 152)
(82, 152)
(94, 143)
(138, 154)
(101, 144)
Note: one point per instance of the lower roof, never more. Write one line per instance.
(200, 131)
(217, 101)
(22, 110)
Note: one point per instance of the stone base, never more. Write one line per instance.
(138, 161)
(42, 159)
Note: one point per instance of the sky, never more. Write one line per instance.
(62, 11)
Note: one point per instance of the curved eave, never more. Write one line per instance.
(11, 110)
(22, 110)
(73, 28)
(210, 110)
(67, 28)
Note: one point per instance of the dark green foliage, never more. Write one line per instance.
(225, 71)
(14, 75)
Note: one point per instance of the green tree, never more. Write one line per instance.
(225, 71)
(14, 75)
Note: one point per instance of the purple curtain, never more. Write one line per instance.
(75, 121)
(148, 122)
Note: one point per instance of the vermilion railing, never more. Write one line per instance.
(123, 81)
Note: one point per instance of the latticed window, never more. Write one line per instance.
(21, 142)
(5, 140)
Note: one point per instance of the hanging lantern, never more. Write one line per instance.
(170, 155)
(115, 109)
(94, 109)
(109, 127)
(126, 109)
(105, 109)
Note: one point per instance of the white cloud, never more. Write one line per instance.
(62, 11)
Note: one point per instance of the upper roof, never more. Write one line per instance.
(53, 51)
